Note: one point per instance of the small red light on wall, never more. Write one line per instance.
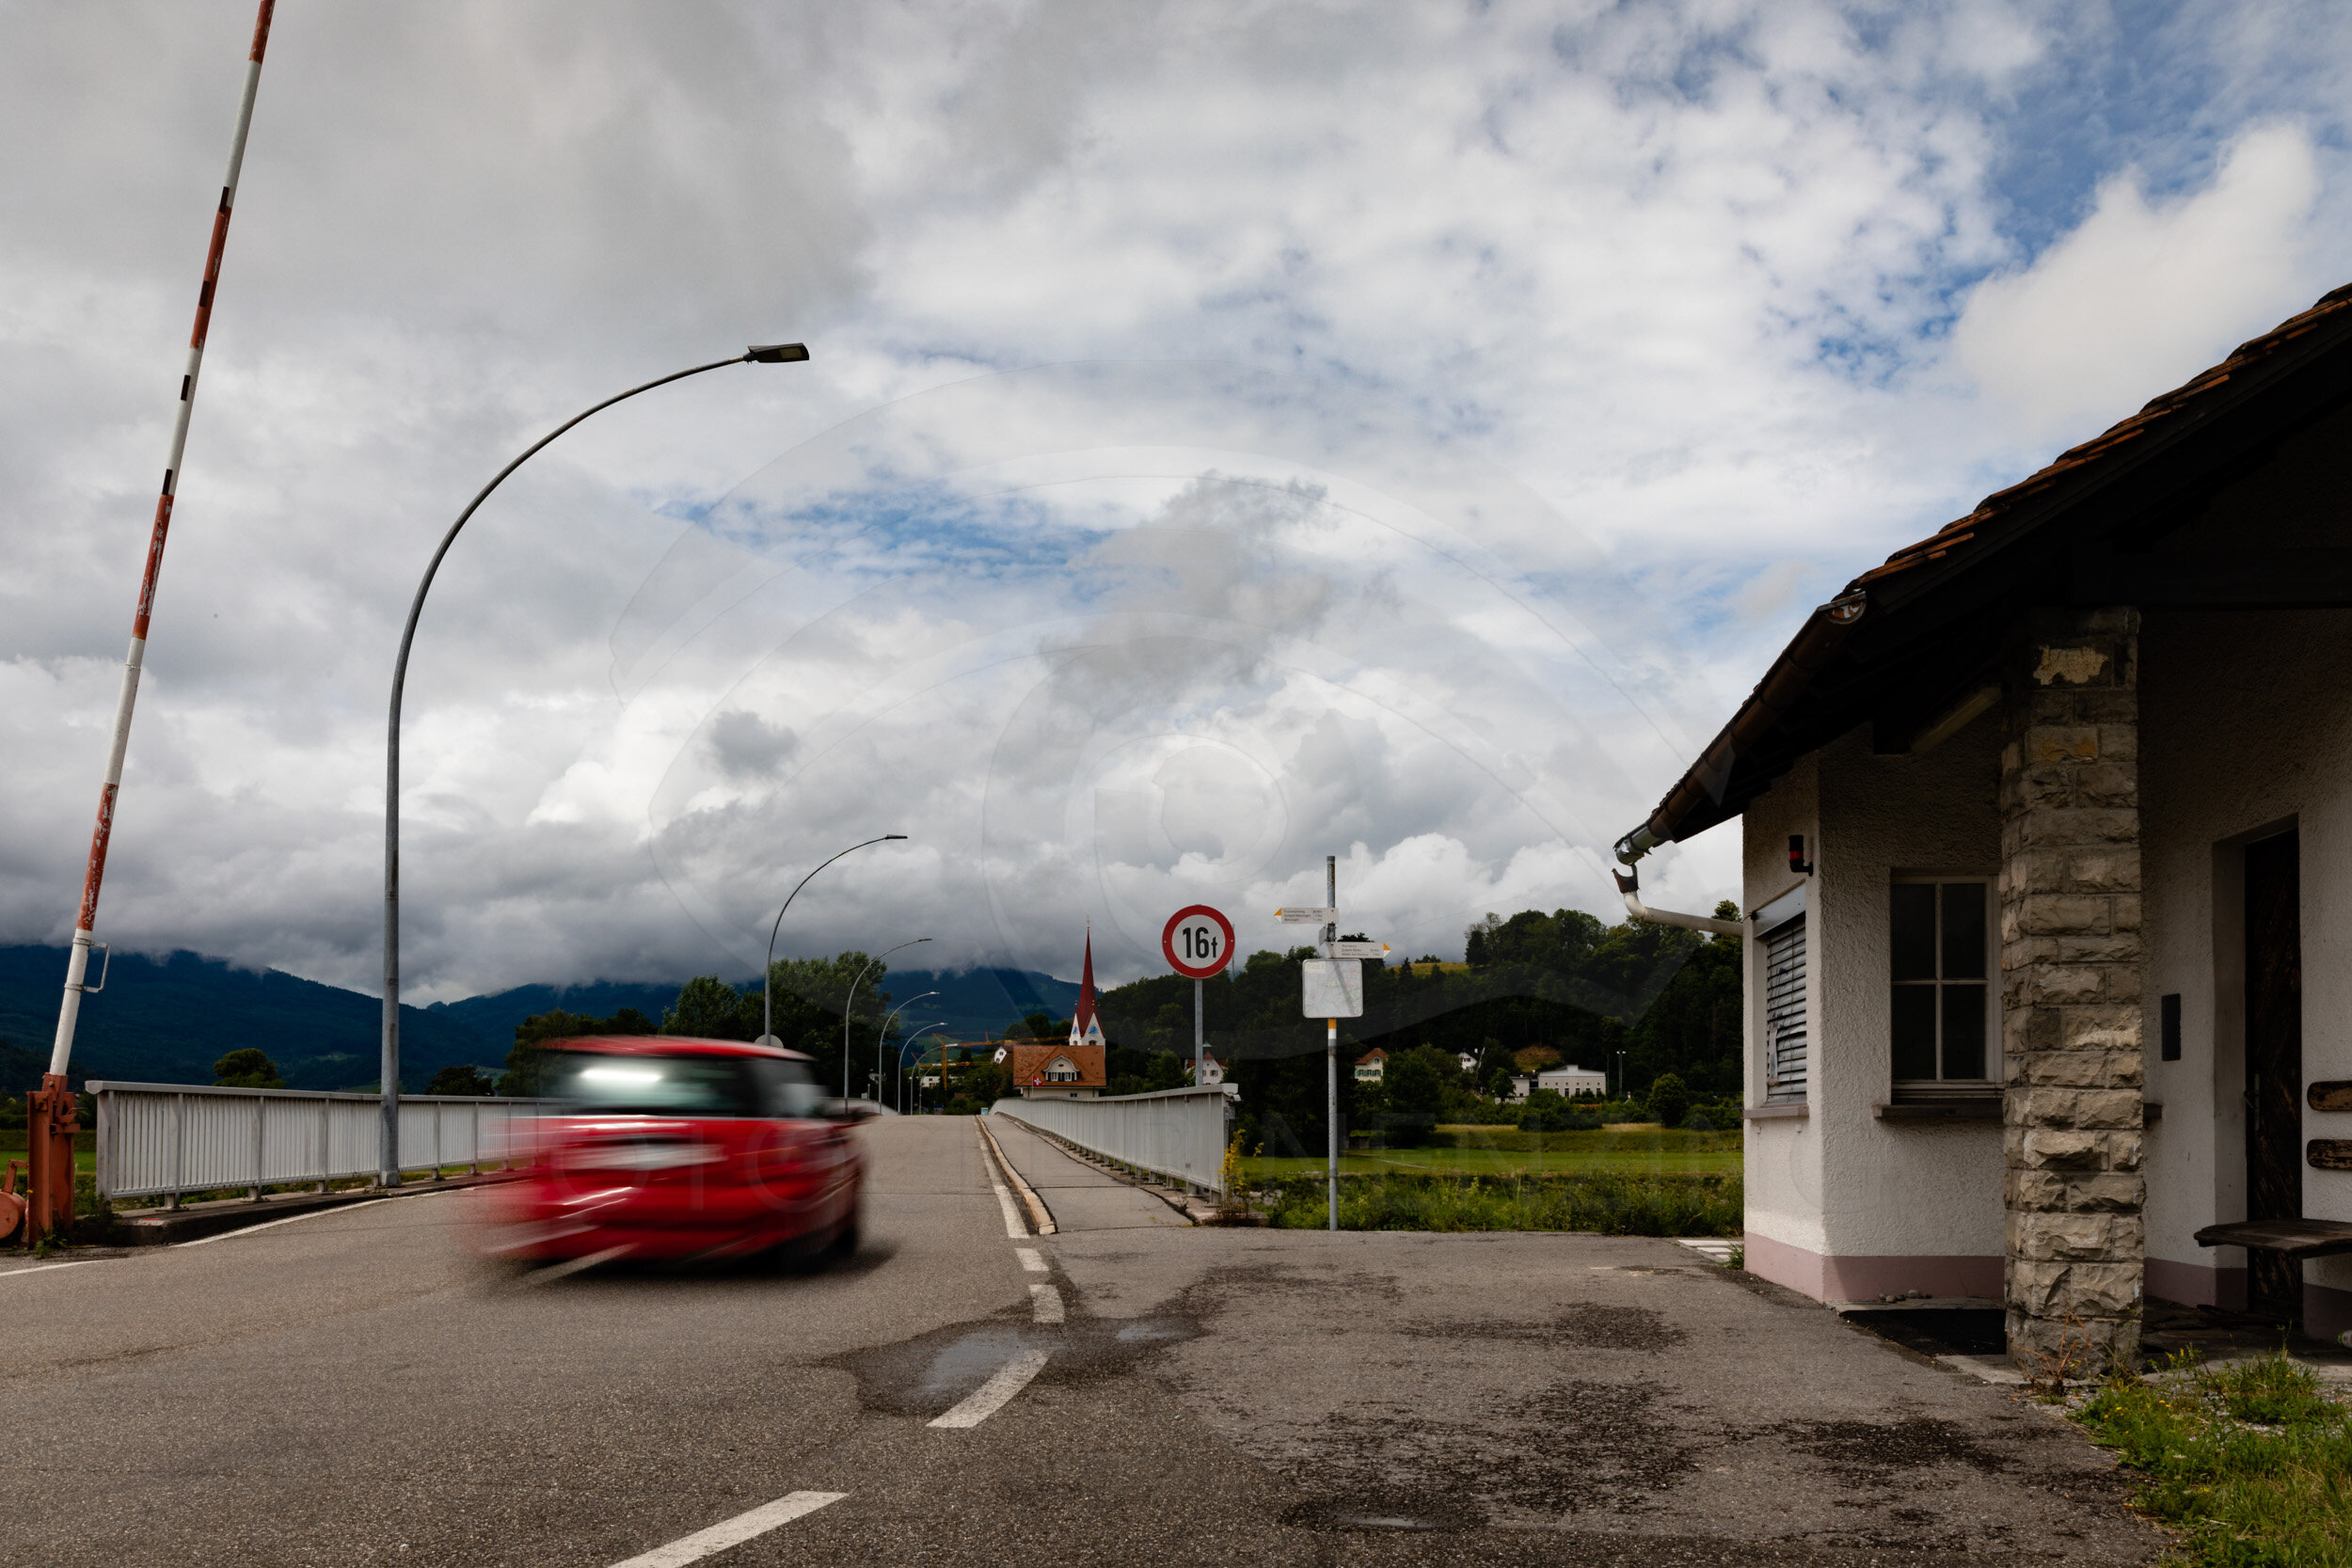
(1797, 863)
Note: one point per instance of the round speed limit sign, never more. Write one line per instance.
(1196, 941)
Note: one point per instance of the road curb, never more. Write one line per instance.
(146, 1229)
(1039, 1216)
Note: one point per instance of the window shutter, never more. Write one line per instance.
(1783, 1013)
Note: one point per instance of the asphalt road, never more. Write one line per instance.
(356, 1388)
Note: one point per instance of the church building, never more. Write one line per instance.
(1075, 1069)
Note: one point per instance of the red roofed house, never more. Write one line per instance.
(1075, 1069)
(2048, 851)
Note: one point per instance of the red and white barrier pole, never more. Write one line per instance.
(52, 1123)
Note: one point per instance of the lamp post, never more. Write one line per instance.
(846, 1006)
(902, 1064)
(388, 1164)
(882, 1038)
(767, 982)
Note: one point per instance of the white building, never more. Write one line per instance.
(2048, 881)
(1573, 1080)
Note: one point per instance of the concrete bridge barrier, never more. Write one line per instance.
(1179, 1133)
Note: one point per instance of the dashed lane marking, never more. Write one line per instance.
(730, 1532)
(1031, 1258)
(1045, 1303)
(991, 1397)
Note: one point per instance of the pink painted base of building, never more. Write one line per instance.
(2326, 1311)
(1848, 1278)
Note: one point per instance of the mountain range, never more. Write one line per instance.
(167, 1020)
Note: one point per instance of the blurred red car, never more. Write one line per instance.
(679, 1148)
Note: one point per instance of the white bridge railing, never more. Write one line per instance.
(173, 1138)
(1179, 1134)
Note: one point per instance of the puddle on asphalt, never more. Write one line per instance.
(926, 1376)
(1407, 1512)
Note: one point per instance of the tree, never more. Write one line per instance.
(247, 1068)
(1416, 1081)
(706, 1008)
(459, 1080)
(1669, 1101)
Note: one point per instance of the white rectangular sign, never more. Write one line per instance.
(1355, 949)
(1331, 988)
(1307, 917)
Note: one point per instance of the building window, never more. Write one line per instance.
(1061, 1071)
(1783, 1011)
(1942, 996)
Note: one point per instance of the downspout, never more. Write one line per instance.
(1629, 883)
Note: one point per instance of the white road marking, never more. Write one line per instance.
(1045, 1303)
(730, 1532)
(44, 1268)
(991, 1397)
(266, 1224)
(1030, 1259)
(555, 1271)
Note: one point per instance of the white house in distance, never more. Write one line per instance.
(1372, 1066)
(1565, 1081)
(1212, 1072)
(1572, 1081)
(2049, 886)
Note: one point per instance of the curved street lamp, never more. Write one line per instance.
(881, 1037)
(902, 1063)
(388, 1172)
(767, 982)
(846, 1006)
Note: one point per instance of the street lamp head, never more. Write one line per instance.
(886, 838)
(776, 354)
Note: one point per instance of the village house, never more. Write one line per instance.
(2047, 828)
(1075, 1069)
(1372, 1066)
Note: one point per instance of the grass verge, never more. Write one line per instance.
(1614, 1204)
(1506, 1152)
(2249, 1461)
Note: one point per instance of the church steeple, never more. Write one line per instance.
(1086, 1026)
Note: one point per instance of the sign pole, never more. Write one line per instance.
(1195, 1035)
(1332, 1052)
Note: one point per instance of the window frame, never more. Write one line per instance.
(1914, 1090)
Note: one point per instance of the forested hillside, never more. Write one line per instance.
(1668, 998)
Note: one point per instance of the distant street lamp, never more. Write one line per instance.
(767, 984)
(881, 1037)
(902, 1064)
(846, 1006)
(388, 1162)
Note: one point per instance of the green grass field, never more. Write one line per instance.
(1489, 1151)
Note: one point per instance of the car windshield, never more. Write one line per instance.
(684, 1086)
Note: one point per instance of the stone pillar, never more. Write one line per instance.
(2071, 972)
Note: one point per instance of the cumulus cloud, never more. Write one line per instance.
(1236, 434)
(2145, 294)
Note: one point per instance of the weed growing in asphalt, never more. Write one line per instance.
(1614, 1205)
(2251, 1461)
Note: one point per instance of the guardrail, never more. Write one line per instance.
(1179, 1133)
(166, 1139)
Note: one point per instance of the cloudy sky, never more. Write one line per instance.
(1236, 434)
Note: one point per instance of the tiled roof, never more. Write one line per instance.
(1704, 796)
(2179, 405)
